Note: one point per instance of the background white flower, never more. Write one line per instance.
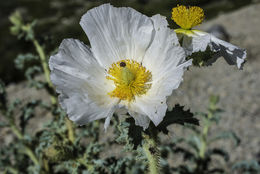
(134, 64)
(194, 40)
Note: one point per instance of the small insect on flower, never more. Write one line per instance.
(194, 40)
(122, 64)
(134, 64)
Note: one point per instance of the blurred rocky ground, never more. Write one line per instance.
(239, 90)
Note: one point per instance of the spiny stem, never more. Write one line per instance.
(151, 151)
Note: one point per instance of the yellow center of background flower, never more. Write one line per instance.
(187, 17)
(130, 78)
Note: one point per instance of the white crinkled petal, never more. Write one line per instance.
(173, 99)
(121, 111)
(232, 54)
(194, 41)
(198, 43)
(200, 40)
(154, 107)
(82, 110)
(80, 80)
(186, 44)
(140, 120)
(159, 56)
(117, 33)
(153, 103)
(109, 116)
(166, 61)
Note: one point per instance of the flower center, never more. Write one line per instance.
(187, 17)
(130, 78)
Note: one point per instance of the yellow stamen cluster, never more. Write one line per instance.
(187, 17)
(130, 78)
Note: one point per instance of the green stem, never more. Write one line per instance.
(11, 170)
(20, 136)
(71, 132)
(46, 71)
(151, 151)
(203, 142)
(45, 67)
(46, 165)
(86, 163)
(205, 135)
(88, 166)
(16, 131)
(30, 153)
(96, 129)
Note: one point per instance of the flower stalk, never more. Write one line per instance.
(206, 128)
(204, 139)
(43, 60)
(46, 71)
(45, 68)
(19, 27)
(11, 170)
(71, 131)
(151, 151)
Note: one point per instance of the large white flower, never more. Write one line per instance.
(134, 63)
(194, 40)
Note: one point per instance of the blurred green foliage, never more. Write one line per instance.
(199, 156)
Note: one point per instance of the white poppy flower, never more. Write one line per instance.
(134, 64)
(194, 40)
